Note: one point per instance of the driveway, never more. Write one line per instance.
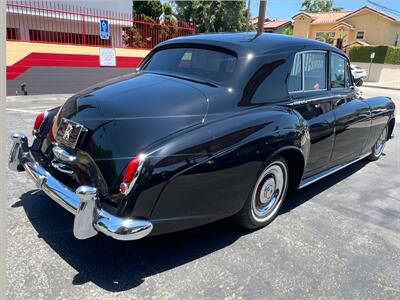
(338, 238)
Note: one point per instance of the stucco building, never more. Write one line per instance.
(366, 26)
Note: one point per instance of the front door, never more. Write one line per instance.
(352, 116)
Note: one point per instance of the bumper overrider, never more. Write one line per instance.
(90, 218)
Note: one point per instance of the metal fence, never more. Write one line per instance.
(54, 22)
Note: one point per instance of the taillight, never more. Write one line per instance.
(51, 135)
(38, 122)
(131, 173)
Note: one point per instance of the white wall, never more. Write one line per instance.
(381, 72)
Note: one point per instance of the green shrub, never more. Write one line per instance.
(383, 54)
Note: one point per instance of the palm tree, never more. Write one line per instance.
(327, 37)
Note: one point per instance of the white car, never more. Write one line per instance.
(359, 74)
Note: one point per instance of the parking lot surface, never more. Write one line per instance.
(337, 238)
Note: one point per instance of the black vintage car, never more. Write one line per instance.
(208, 127)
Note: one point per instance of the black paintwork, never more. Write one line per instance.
(207, 143)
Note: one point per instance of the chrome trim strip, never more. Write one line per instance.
(315, 99)
(90, 218)
(307, 181)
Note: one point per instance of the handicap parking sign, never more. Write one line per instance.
(104, 30)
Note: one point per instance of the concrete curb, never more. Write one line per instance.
(381, 87)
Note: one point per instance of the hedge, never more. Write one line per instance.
(383, 54)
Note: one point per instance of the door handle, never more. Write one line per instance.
(340, 101)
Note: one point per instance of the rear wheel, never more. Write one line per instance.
(377, 149)
(267, 196)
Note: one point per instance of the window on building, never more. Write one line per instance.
(67, 37)
(360, 35)
(12, 33)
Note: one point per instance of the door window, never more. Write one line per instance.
(308, 72)
(314, 64)
(294, 82)
(340, 73)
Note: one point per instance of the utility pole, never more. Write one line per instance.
(248, 15)
(261, 16)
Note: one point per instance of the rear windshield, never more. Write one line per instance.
(196, 63)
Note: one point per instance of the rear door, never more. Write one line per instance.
(352, 116)
(308, 88)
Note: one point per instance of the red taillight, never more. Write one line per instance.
(129, 176)
(38, 121)
(131, 169)
(51, 135)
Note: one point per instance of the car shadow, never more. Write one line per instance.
(118, 266)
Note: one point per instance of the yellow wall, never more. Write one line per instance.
(378, 30)
(16, 51)
(301, 26)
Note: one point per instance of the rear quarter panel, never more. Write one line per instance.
(206, 173)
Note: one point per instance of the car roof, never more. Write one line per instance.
(250, 41)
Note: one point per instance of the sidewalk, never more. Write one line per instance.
(391, 85)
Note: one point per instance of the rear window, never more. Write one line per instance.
(197, 63)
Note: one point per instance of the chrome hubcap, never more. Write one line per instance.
(380, 143)
(268, 192)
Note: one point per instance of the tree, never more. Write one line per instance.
(327, 37)
(152, 8)
(314, 6)
(214, 16)
(288, 31)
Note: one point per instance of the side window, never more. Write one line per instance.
(314, 64)
(294, 81)
(338, 77)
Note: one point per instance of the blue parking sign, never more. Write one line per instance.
(104, 30)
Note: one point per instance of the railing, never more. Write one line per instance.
(54, 22)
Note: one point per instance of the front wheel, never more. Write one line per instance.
(267, 196)
(360, 82)
(377, 149)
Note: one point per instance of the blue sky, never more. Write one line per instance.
(285, 9)
(276, 9)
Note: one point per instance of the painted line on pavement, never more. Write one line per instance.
(24, 111)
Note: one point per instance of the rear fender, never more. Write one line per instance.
(208, 171)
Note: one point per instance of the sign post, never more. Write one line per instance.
(372, 56)
(104, 32)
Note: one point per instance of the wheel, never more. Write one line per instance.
(377, 149)
(360, 82)
(267, 196)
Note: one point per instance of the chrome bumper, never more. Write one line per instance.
(83, 203)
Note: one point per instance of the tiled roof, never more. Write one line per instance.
(325, 17)
(343, 24)
(270, 23)
(378, 11)
(275, 24)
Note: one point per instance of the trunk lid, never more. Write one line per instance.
(125, 115)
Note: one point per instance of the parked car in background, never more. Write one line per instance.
(359, 74)
(210, 126)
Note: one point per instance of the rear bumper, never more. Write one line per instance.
(90, 218)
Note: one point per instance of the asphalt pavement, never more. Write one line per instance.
(338, 238)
